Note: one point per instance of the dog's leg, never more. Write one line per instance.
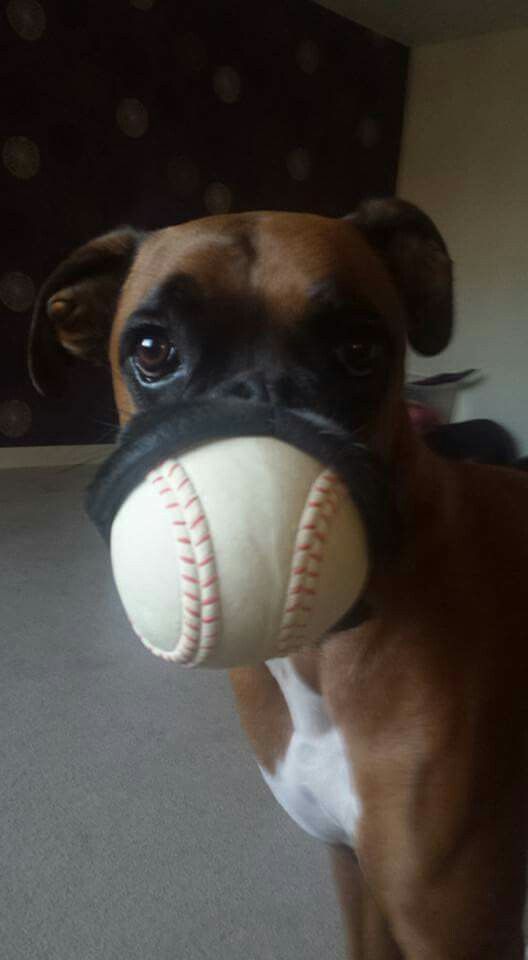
(263, 712)
(367, 932)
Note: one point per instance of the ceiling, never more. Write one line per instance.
(429, 21)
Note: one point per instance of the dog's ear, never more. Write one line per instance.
(74, 309)
(419, 262)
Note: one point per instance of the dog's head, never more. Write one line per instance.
(260, 324)
(296, 310)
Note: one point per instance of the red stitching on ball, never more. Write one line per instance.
(207, 583)
(194, 599)
(318, 512)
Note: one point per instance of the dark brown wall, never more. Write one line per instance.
(155, 111)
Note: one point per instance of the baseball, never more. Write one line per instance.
(237, 551)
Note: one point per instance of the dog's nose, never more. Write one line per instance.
(251, 386)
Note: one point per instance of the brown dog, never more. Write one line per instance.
(402, 742)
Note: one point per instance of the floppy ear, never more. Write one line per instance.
(74, 309)
(419, 262)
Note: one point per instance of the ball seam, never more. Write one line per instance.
(200, 627)
(199, 535)
(320, 507)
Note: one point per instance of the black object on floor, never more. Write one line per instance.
(481, 441)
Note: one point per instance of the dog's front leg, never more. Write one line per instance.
(367, 932)
(451, 882)
(436, 754)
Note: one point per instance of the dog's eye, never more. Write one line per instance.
(154, 355)
(361, 355)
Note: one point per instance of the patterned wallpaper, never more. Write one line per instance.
(154, 111)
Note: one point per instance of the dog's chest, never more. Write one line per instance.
(313, 781)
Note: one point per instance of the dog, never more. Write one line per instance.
(399, 742)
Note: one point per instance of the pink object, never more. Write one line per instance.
(423, 418)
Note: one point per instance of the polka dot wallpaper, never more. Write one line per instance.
(152, 112)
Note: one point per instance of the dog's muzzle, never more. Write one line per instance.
(241, 531)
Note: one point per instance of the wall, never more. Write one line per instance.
(152, 112)
(465, 160)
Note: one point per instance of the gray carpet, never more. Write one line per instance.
(134, 823)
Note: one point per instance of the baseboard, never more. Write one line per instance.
(55, 455)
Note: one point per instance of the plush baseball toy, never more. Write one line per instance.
(233, 550)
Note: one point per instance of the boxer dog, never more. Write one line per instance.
(401, 742)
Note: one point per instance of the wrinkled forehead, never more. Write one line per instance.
(282, 260)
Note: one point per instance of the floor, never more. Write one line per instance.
(133, 820)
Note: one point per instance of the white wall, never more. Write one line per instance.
(465, 161)
(54, 455)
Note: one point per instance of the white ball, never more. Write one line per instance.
(239, 551)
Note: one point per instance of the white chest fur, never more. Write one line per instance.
(313, 781)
